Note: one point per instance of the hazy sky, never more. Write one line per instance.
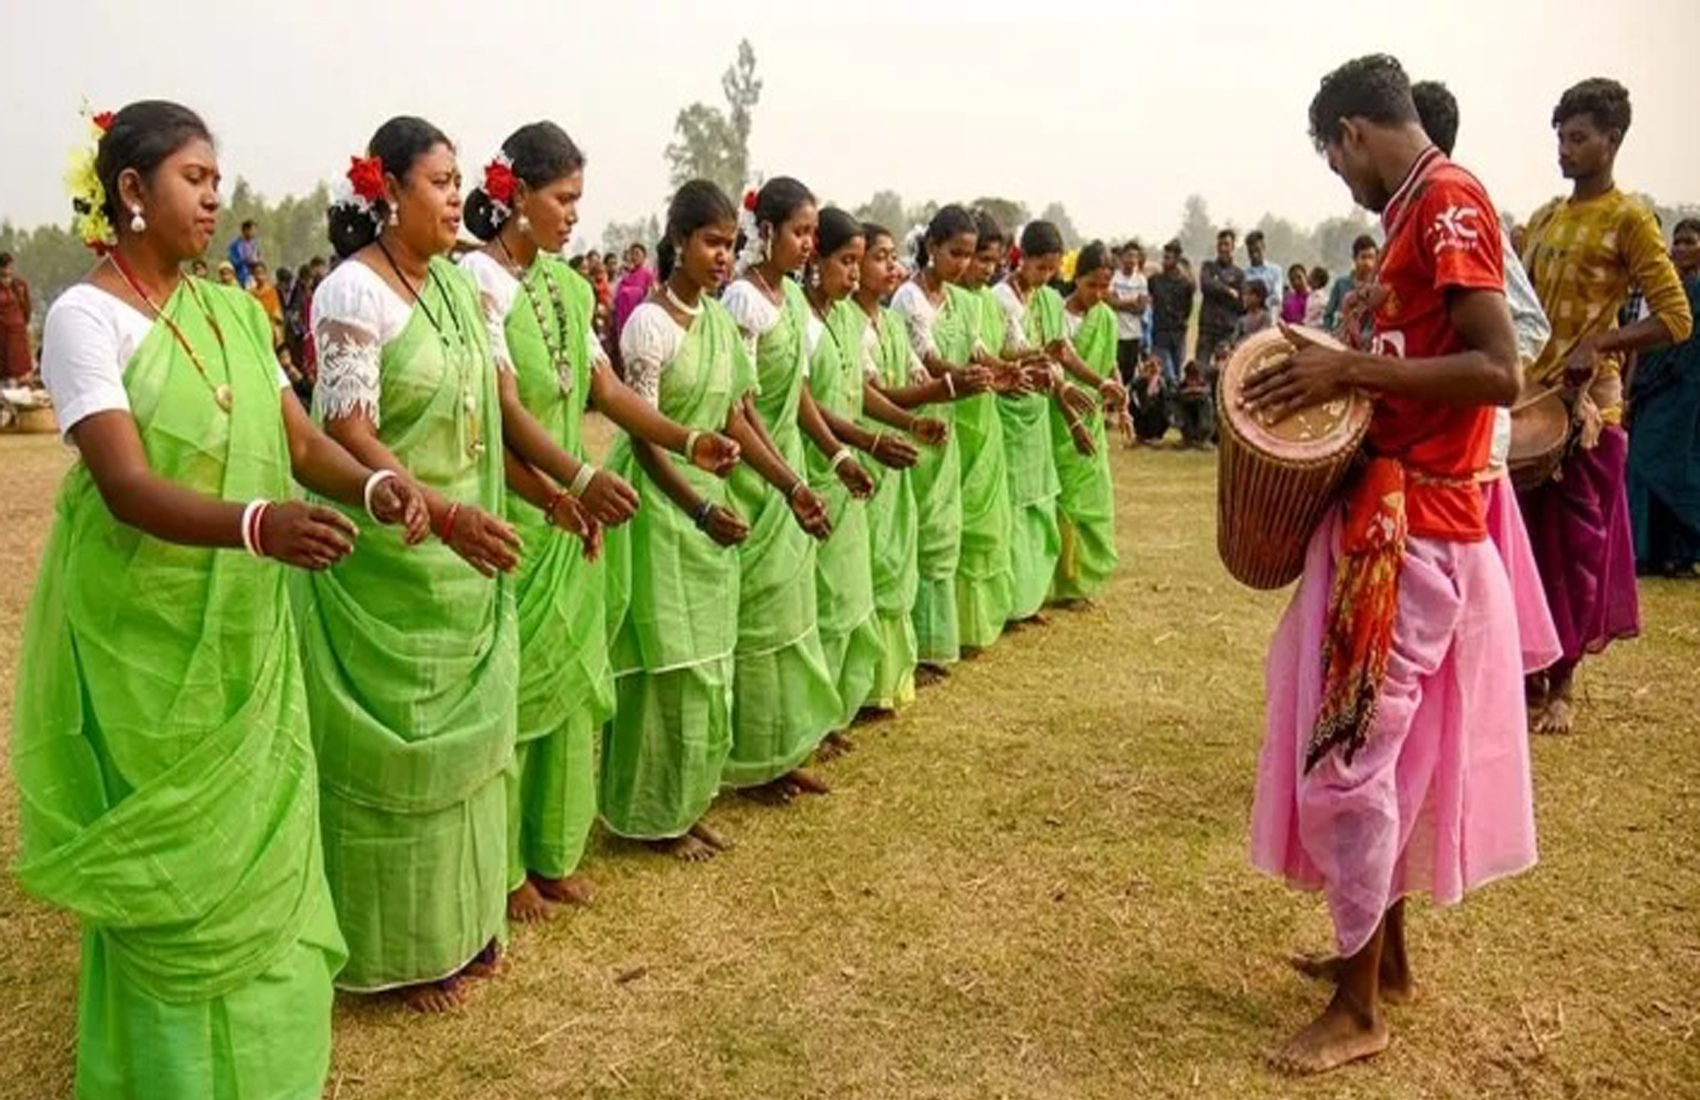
(1119, 110)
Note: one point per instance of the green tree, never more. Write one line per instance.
(1010, 214)
(619, 236)
(713, 143)
(885, 209)
(1198, 232)
(1057, 215)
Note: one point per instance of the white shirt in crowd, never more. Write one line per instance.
(1128, 286)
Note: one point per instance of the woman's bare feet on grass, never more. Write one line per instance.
(574, 889)
(712, 837)
(928, 675)
(687, 848)
(832, 746)
(434, 997)
(527, 904)
(1397, 985)
(486, 964)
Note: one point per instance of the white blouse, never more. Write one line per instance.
(355, 313)
(919, 316)
(1014, 318)
(756, 316)
(917, 371)
(498, 289)
(88, 340)
(648, 345)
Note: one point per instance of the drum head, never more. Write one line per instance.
(1538, 428)
(1304, 434)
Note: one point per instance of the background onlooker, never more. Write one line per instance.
(1129, 295)
(17, 359)
(634, 285)
(244, 253)
(1316, 307)
(1256, 317)
(1365, 255)
(1297, 298)
(1220, 281)
(1259, 269)
(1171, 290)
(265, 292)
(227, 274)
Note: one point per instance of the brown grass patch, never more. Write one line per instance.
(1033, 884)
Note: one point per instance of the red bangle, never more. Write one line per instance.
(448, 526)
(256, 519)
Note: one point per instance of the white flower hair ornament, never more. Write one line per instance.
(362, 188)
(755, 242)
(912, 242)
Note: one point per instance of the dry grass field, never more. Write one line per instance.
(1033, 885)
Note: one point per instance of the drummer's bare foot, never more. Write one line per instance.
(1343, 1033)
(712, 837)
(834, 745)
(687, 848)
(574, 889)
(527, 904)
(928, 675)
(1559, 718)
(434, 997)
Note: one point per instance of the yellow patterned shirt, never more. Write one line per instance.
(1583, 257)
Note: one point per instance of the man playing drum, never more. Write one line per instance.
(1583, 254)
(1397, 763)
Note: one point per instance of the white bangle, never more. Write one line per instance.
(950, 383)
(581, 480)
(840, 458)
(691, 444)
(250, 527)
(378, 478)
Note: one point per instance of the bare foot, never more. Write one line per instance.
(434, 997)
(1037, 619)
(928, 675)
(873, 714)
(802, 782)
(971, 652)
(527, 904)
(575, 889)
(1397, 985)
(1560, 717)
(712, 837)
(834, 745)
(1080, 604)
(486, 964)
(778, 792)
(1342, 1034)
(687, 848)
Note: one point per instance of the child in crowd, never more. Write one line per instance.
(1297, 298)
(1317, 305)
(1254, 296)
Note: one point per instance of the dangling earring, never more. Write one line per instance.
(524, 224)
(137, 223)
(394, 218)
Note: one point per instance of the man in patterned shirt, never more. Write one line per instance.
(1583, 254)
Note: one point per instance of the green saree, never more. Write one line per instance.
(983, 589)
(1086, 506)
(844, 582)
(937, 481)
(412, 660)
(672, 599)
(891, 523)
(160, 745)
(1035, 542)
(566, 692)
(784, 700)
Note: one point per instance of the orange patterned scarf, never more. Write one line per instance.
(1362, 610)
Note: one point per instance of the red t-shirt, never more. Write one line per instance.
(1448, 240)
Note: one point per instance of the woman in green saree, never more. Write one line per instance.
(785, 702)
(412, 658)
(1050, 410)
(1087, 503)
(159, 738)
(850, 633)
(895, 382)
(674, 573)
(942, 321)
(540, 311)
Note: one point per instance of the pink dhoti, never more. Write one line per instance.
(1536, 634)
(1438, 798)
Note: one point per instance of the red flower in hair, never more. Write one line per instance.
(499, 181)
(366, 176)
(103, 121)
(750, 201)
(1015, 257)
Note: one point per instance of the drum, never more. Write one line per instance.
(1540, 428)
(1278, 477)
